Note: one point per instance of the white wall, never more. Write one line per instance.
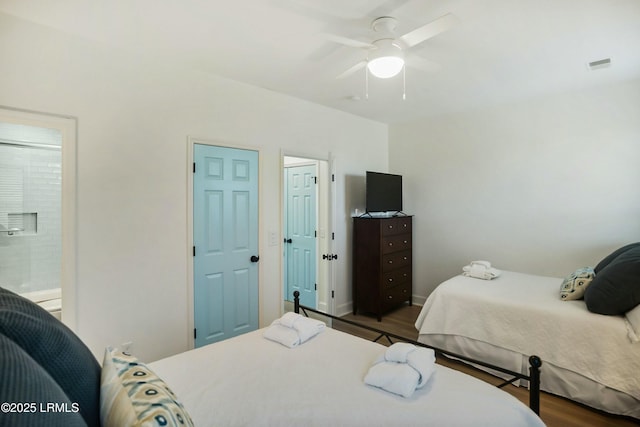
(134, 118)
(543, 186)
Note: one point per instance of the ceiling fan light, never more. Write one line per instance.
(386, 66)
(386, 60)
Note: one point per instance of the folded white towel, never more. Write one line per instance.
(283, 335)
(422, 360)
(482, 270)
(398, 352)
(396, 378)
(402, 378)
(308, 328)
(293, 329)
(289, 318)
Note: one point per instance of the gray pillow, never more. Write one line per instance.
(616, 287)
(24, 382)
(54, 347)
(613, 255)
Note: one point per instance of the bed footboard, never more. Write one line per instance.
(535, 362)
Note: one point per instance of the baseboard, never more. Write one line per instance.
(344, 309)
(419, 300)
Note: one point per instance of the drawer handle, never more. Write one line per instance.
(405, 225)
(404, 291)
(390, 280)
(404, 258)
(390, 243)
(405, 274)
(391, 226)
(390, 297)
(405, 242)
(390, 261)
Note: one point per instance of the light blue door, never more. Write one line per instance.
(300, 233)
(225, 237)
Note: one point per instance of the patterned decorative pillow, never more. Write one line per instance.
(574, 285)
(131, 394)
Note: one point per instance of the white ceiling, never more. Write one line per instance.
(498, 51)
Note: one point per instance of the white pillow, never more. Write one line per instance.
(131, 394)
(632, 319)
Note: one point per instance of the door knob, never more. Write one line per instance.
(255, 258)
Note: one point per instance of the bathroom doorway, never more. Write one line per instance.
(37, 209)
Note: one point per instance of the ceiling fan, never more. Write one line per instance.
(387, 54)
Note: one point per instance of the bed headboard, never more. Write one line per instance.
(43, 362)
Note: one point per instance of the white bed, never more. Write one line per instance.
(586, 357)
(251, 381)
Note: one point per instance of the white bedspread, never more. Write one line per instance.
(251, 381)
(523, 313)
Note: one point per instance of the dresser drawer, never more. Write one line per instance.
(395, 260)
(394, 296)
(396, 277)
(396, 243)
(397, 225)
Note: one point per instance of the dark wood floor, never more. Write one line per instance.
(554, 411)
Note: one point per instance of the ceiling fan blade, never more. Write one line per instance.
(387, 8)
(418, 62)
(348, 42)
(429, 30)
(360, 65)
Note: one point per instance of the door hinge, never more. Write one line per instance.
(315, 233)
(333, 294)
(315, 286)
(194, 167)
(315, 179)
(333, 177)
(195, 335)
(194, 251)
(333, 236)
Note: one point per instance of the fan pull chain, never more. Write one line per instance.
(366, 82)
(404, 83)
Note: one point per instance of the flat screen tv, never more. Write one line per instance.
(383, 192)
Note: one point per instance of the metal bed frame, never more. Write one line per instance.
(534, 361)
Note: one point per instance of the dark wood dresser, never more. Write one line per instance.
(382, 263)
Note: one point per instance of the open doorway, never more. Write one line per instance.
(37, 209)
(306, 231)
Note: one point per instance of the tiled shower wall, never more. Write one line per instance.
(30, 183)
